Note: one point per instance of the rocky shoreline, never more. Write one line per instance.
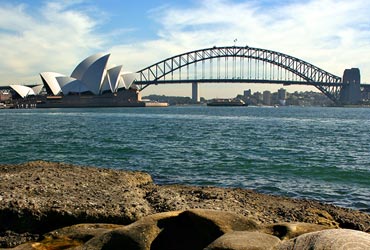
(39, 197)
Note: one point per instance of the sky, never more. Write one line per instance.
(38, 36)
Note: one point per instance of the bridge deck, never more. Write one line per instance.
(238, 81)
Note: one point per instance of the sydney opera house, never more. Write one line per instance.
(91, 84)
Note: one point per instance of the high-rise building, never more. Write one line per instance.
(267, 97)
(282, 95)
(247, 93)
(258, 96)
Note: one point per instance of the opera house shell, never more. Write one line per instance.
(25, 91)
(26, 96)
(91, 84)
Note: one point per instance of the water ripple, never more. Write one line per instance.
(313, 153)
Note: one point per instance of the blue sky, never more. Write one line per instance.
(37, 36)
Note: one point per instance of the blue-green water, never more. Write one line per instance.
(313, 153)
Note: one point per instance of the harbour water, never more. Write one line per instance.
(312, 153)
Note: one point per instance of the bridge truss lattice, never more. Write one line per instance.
(236, 64)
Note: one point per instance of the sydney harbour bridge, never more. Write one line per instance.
(235, 64)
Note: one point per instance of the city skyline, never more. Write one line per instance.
(38, 36)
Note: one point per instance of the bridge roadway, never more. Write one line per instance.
(262, 81)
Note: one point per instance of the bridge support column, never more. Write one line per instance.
(195, 92)
(351, 92)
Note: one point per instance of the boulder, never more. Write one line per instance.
(331, 239)
(225, 221)
(80, 232)
(199, 229)
(69, 237)
(287, 231)
(136, 236)
(244, 240)
(38, 197)
(192, 229)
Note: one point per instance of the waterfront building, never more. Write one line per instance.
(5, 96)
(91, 84)
(258, 96)
(267, 98)
(247, 93)
(91, 76)
(282, 94)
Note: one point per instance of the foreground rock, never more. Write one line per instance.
(244, 240)
(329, 240)
(199, 229)
(39, 197)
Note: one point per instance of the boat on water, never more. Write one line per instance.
(226, 102)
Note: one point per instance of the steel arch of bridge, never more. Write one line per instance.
(274, 66)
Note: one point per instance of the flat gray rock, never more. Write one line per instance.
(331, 239)
(244, 240)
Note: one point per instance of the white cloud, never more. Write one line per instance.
(331, 34)
(51, 38)
(305, 29)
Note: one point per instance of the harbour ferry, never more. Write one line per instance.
(226, 102)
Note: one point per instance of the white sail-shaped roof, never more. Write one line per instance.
(120, 83)
(81, 68)
(23, 91)
(114, 76)
(71, 85)
(91, 72)
(106, 84)
(37, 89)
(50, 82)
(128, 79)
(91, 75)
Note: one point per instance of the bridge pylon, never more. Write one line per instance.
(350, 93)
(195, 92)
